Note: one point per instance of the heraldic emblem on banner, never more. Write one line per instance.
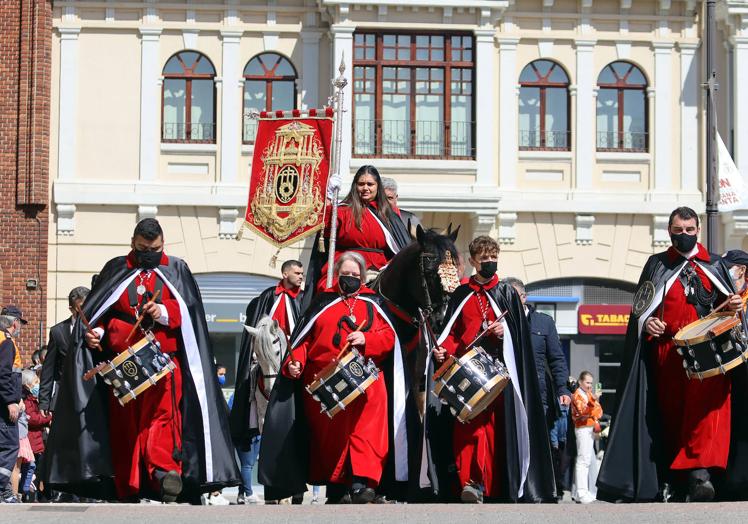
(290, 168)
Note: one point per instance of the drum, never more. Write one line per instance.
(342, 381)
(469, 384)
(139, 367)
(712, 345)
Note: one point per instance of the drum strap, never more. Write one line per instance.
(696, 295)
(336, 338)
(132, 291)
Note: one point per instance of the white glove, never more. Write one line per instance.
(334, 184)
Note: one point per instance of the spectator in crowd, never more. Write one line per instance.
(38, 425)
(586, 412)
(550, 363)
(10, 398)
(60, 342)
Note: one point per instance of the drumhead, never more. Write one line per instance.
(702, 327)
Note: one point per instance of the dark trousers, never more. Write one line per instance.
(8, 451)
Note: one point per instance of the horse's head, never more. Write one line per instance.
(438, 260)
(270, 344)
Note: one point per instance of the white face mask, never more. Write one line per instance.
(734, 272)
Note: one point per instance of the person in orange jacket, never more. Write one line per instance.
(586, 412)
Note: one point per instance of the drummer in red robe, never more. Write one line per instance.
(347, 452)
(695, 416)
(366, 224)
(474, 443)
(145, 436)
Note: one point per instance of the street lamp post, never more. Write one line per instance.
(712, 180)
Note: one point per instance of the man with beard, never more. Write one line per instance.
(172, 441)
(503, 452)
(60, 340)
(673, 434)
(280, 302)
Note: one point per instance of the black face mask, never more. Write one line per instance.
(683, 242)
(349, 284)
(488, 268)
(148, 259)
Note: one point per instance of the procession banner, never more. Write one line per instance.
(732, 188)
(290, 168)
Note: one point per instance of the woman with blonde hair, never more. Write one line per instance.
(586, 412)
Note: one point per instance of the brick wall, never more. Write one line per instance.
(25, 71)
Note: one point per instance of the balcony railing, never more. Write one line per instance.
(407, 139)
(188, 133)
(535, 140)
(629, 141)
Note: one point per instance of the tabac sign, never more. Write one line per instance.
(603, 319)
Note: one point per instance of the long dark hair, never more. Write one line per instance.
(352, 199)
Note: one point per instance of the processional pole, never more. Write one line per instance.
(336, 101)
(712, 179)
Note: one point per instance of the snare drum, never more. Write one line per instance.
(470, 383)
(342, 381)
(136, 369)
(712, 345)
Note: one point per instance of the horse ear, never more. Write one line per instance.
(252, 331)
(420, 233)
(449, 229)
(276, 326)
(453, 234)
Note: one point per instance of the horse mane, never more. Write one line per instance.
(264, 342)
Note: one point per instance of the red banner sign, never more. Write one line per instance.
(290, 168)
(603, 319)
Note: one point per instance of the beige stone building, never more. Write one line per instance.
(567, 129)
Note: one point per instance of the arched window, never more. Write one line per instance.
(269, 85)
(543, 106)
(189, 99)
(621, 108)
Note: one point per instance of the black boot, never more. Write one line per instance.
(361, 493)
(700, 488)
(337, 494)
(171, 485)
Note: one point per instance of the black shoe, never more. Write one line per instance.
(297, 499)
(471, 494)
(363, 496)
(700, 488)
(171, 486)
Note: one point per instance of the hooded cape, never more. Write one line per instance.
(633, 466)
(528, 467)
(246, 374)
(78, 451)
(284, 453)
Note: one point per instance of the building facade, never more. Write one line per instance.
(25, 69)
(566, 129)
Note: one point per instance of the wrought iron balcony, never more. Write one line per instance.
(413, 139)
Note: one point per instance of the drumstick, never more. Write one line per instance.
(142, 315)
(348, 344)
(482, 333)
(91, 373)
(83, 318)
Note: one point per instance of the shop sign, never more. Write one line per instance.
(603, 319)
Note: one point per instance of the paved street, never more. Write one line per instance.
(595, 513)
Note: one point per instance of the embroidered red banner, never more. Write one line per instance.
(290, 168)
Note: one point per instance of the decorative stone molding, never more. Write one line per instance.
(189, 37)
(545, 48)
(227, 223)
(147, 212)
(483, 223)
(660, 236)
(584, 225)
(65, 219)
(507, 231)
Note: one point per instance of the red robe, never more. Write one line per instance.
(478, 453)
(355, 441)
(370, 236)
(143, 431)
(695, 413)
(280, 310)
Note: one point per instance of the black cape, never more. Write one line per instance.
(246, 374)
(78, 450)
(633, 468)
(284, 453)
(318, 258)
(539, 485)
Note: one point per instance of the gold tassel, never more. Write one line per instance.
(321, 243)
(274, 259)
